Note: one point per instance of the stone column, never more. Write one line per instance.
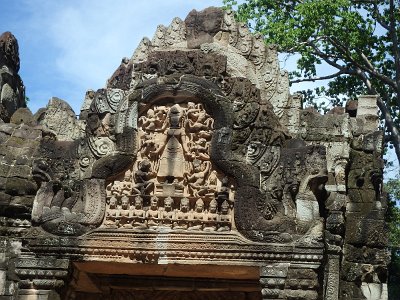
(281, 281)
(365, 255)
(9, 249)
(272, 279)
(40, 278)
(334, 242)
(331, 278)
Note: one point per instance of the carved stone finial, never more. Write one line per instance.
(9, 52)
(12, 90)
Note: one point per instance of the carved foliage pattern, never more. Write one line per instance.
(194, 62)
(254, 122)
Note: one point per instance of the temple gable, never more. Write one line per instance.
(193, 174)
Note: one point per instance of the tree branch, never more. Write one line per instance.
(344, 70)
(369, 68)
(378, 17)
(372, 72)
(396, 51)
(317, 78)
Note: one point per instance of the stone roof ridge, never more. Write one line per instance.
(216, 30)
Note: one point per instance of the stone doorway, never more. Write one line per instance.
(120, 281)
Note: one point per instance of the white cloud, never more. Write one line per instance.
(86, 40)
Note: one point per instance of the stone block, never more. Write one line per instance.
(307, 210)
(367, 232)
(2, 182)
(22, 115)
(360, 208)
(22, 171)
(373, 210)
(4, 198)
(367, 105)
(336, 201)
(300, 294)
(19, 186)
(335, 222)
(27, 150)
(23, 201)
(17, 142)
(2, 282)
(350, 291)
(369, 142)
(327, 128)
(275, 270)
(302, 273)
(23, 160)
(363, 272)
(32, 294)
(374, 290)
(4, 169)
(7, 128)
(366, 254)
(361, 195)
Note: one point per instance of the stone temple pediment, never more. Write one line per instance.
(195, 168)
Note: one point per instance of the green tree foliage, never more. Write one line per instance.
(393, 218)
(357, 39)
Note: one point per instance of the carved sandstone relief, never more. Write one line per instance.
(172, 184)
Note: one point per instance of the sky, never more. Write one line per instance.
(68, 47)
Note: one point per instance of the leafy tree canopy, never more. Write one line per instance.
(358, 39)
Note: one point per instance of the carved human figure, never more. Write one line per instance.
(125, 213)
(167, 215)
(154, 120)
(148, 144)
(126, 188)
(197, 216)
(224, 220)
(161, 113)
(180, 64)
(108, 189)
(138, 214)
(199, 150)
(153, 214)
(196, 180)
(148, 122)
(212, 180)
(197, 118)
(211, 218)
(182, 215)
(223, 193)
(116, 188)
(112, 213)
(173, 148)
(144, 176)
